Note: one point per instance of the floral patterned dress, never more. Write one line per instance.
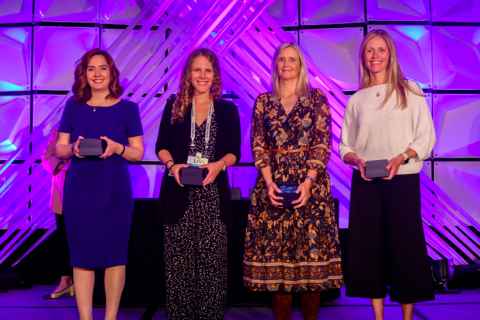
(286, 249)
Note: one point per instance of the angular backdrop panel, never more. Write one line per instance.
(56, 50)
(15, 58)
(335, 52)
(14, 125)
(284, 12)
(460, 180)
(146, 180)
(314, 12)
(398, 10)
(414, 47)
(67, 11)
(108, 38)
(16, 11)
(43, 105)
(457, 125)
(456, 58)
(456, 10)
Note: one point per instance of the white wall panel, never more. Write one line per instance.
(335, 52)
(56, 50)
(461, 182)
(314, 12)
(457, 125)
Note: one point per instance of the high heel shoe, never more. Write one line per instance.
(68, 290)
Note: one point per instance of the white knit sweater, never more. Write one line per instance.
(374, 134)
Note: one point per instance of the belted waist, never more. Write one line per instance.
(283, 151)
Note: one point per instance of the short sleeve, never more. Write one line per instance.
(134, 127)
(65, 122)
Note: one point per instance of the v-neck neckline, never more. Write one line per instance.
(283, 108)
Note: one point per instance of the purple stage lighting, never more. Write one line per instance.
(15, 46)
(56, 49)
(456, 57)
(16, 11)
(314, 12)
(398, 10)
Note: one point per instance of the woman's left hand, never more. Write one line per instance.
(112, 147)
(393, 166)
(214, 169)
(304, 190)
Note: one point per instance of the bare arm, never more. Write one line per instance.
(64, 147)
(133, 152)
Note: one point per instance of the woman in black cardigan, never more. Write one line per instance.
(195, 219)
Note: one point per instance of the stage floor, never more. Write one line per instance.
(28, 304)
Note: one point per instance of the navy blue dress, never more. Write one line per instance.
(98, 201)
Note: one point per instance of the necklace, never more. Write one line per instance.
(378, 93)
(94, 107)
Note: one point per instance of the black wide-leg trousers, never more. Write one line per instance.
(386, 243)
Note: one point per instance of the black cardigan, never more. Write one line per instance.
(176, 139)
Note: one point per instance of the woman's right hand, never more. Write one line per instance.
(360, 164)
(271, 189)
(76, 147)
(175, 168)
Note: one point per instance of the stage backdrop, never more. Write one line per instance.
(438, 43)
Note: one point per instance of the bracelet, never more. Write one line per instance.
(269, 182)
(166, 164)
(224, 165)
(170, 174)
(309, 178)
(121, 154)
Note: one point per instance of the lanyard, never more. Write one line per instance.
(207, 129)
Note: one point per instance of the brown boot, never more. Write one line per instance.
(282, 305)
(310, 302)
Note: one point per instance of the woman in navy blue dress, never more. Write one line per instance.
(98, 201)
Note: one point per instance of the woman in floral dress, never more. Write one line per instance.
(292, 249)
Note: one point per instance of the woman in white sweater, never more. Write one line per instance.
(388, 118)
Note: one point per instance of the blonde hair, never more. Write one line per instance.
(395, 78)
(185, 93)
(303, 87)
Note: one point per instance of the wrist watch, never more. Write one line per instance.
(309, 178)
(405, 158)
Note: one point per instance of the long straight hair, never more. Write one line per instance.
(395, 78)
(303, 87)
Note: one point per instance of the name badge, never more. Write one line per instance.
(197, 160)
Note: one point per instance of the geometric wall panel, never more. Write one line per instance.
(16, 11)
(146, 180)
(244, 178)
(457, 125)
(284, 12)
(43, 105)
(56, 49)
(15, 58)
(461, 181)
(331, 11)
(456, 57)
(14, 125)
(335, 52)
(108, 38)
(398, 10)
(456, 10)
(414, 48)
(67, 11)
(122, 11)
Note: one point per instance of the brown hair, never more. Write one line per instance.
(81, 89)
(185, 92)
(395, 78)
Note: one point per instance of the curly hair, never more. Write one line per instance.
(185, 92)
(81, 89)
